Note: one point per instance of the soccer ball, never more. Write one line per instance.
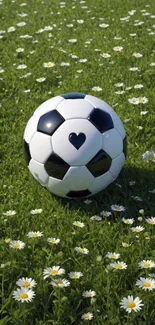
(75, 145)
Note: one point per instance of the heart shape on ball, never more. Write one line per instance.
(77, 140)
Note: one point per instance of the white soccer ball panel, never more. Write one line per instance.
(38, 171)
(49, 105)
(118, 125)
(40, 147)
(57, 187)
(74, 108)
(98, 103)
(112, 143)
(31, 128)
(67, 151)
(78, 178)
(101, 182)
(117, 165)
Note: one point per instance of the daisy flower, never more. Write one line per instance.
(118, 48)
(126, 244)
(119, 265)
(138, 86)
(73, 40)
(134, 69)
(34, 234)
(105, 213)
(16, 244)
(130, 304)
(119, 84)
(19, 50)
(65, 64)
(137, 198)
(146, 284)
(52, 271)
(83, 60)
(41, 79)
(11, 29)
(53, 240)
(22, 66)
(97, 218)
(128, 221)
(96, 88)
(48, 64)
(137, 55)
(143, 112)
(61, 283)
(88, 293)
(137, 229)
(143, 100)
(9, 213)
(87, 316)
(145, 264)
(151, 220)
(82, 250)
(112, 255)
(75, 275)
(104, 25)
(105, 55)
(149, 155)
(119, 92)
(23, 294)
(133, 100)
(116, 207)
(26, 283)
(36, 211)
(78, 224)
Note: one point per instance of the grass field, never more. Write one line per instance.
(106, 49)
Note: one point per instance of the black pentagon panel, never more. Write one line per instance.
(100, 164)
(74, 194)
(49, 122)
(56, 167)
(102, 120)
(26, 151)
(73, 95)
(125, 146)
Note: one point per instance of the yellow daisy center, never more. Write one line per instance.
(75, 276)
(53, 272)
(152, 222)
(142, 100)
(87, 316)
(82, 250)
(60, 282)
(26, 284)
(9, 214)
(147, 284)
(118, 266)
(89, 294)
(17, 245)
(113, 256)
(35, 235)
(147, 264)
(23, 295)
(131, 304)
(52, 241)
(137, 230)
(151, 156)
(48, 64)
(117, 208)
